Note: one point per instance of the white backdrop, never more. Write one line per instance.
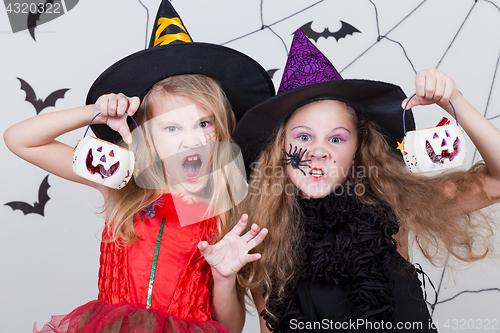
(49, 264)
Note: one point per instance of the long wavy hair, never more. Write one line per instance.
(426, 206)
(150, 180)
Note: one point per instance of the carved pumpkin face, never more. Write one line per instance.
(103, 162)
(434, 149)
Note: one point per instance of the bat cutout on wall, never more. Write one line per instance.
(39, 103)
(345, 29)
(35, 17)
(37, 207)
(271, 72)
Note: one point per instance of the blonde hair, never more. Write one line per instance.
(423, 205)
(151, 182)
(277, 213)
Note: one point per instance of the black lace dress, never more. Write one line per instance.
(350, 277)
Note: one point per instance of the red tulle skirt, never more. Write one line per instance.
(99, 317)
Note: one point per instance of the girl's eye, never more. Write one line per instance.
(171, 128)
(336, 139)
(204, 124)
(304, 137)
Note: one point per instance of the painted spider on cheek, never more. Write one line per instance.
(295, 159)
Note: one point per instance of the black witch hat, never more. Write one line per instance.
(172, 52)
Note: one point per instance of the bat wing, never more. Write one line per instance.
(32, 19)
(52, 98)
(309, 32)
(345, 29)
(22, 206)
(30, 93)
(271, 72)
(43, 197)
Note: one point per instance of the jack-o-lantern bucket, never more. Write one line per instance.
(103, 162)
(435, 148)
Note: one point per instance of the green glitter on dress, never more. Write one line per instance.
(153, 269)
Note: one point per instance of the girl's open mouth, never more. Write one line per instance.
(192, 167)
(316, 173)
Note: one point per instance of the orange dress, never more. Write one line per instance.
(140, 294)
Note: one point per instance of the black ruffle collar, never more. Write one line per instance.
(343, 242)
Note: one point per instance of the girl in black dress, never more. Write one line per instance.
(340, 203)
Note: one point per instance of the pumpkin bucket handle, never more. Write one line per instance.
(138, 131)
(404, 112)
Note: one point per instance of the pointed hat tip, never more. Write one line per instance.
(168, 27)
(306, 65)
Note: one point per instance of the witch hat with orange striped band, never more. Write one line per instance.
(172, 52)
(169, 28)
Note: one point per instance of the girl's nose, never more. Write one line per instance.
(193, 139)
(317, 153)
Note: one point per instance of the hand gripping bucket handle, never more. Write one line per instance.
(138, 131)
(406, 108)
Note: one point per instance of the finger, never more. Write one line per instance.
(122, 105)
(449, 91)
(102, 105)
(252, 257)
(124, 131)
(133, 106)
(204, 248)
(403, 104)
(440, 86)
(410, 102)
(420, 84)
(430, 84)
(112, 105)
(257, 239)
(254, 230)
(240, 226)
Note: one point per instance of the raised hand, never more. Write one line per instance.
(114, 109)
(433, 86)
(230, 254)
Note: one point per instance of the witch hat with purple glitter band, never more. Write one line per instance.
(306, 65)
(310, 76)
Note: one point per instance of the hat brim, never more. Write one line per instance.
(244, 81)
(379, 101)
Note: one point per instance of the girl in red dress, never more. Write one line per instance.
(168, 254)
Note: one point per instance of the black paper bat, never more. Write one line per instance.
(35, 17)
(271, 72)
(345, 29)
(37, 207)
(40, 104)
